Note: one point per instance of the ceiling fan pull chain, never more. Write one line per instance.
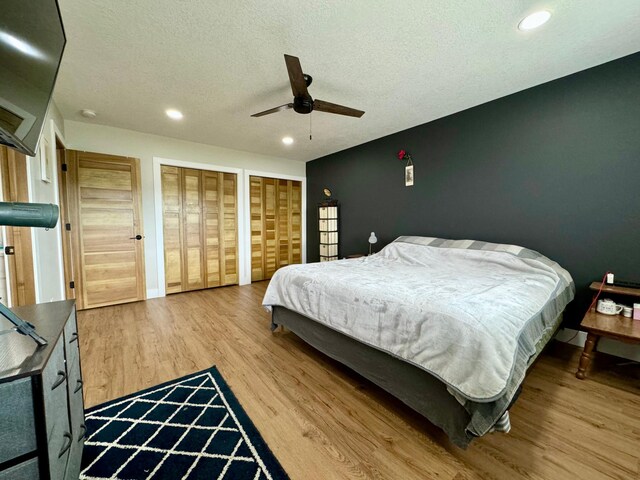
(310, 137)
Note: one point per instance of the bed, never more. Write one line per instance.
(449, 327)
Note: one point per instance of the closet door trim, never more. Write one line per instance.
(243, 252)
(245, 240)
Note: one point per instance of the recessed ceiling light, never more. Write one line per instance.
(174, 114)
(534, 20)
(287, 140)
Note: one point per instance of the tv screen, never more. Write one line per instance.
(32, 40)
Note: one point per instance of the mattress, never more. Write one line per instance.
(469, 313)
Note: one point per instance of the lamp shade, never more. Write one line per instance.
(373, 238)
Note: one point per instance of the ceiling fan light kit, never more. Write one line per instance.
(303, 103)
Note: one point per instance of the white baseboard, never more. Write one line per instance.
(605, 345)
(153, 293)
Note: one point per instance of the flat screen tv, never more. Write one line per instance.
(32, 40)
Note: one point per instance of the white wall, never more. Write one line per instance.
(47, 244)
(117, 141)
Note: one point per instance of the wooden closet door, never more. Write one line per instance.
(295, 221)
(229, 231)
(221, 228)
(193, 276)
(276, 225)
(257, 224)
(172, 227)
(284, 232)
(200, 228)
(108, 241)
(213, 225)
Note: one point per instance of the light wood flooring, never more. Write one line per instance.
(323, 421)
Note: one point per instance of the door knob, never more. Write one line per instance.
(137, 237)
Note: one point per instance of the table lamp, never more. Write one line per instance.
(372, 239)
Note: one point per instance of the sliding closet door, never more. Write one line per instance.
(200, 228)
(276, 225)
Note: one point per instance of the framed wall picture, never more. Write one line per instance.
(45, 160)
(408, 176)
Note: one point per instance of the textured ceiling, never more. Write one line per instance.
(403, 62)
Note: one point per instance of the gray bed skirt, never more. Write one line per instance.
(415, 387)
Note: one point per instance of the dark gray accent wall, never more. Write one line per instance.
(555, 168)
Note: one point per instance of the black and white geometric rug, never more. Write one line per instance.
(189, 428)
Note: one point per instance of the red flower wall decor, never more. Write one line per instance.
(403, 155)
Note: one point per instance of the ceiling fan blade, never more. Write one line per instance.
(296, 77)
(286, 106)
(328, 107)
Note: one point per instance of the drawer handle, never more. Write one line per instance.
(84, 432)
(79, 387)
(74, 337)
(67, 446)
(61, 378)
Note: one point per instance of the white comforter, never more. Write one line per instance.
(456, 313)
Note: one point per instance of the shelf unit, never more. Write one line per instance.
(328, 229)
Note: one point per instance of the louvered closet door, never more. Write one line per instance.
(172, 225)
(193, 276)
(276, 225)
(221, 228)
(229, 230)
(200, 228)
(257, 220)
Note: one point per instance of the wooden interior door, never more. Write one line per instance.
(276, 225)
(108, 241)
(200, 224)
(18, 247)
(65, 221)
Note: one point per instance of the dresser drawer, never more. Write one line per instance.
(24, 471)
(76, 405)
(55, 372)
(17, 431)
(56, 414)
(75, 459)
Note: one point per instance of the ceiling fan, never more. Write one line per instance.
(302, 101)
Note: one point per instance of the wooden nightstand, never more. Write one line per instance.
(612, 326)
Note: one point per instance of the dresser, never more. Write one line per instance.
(41, 407)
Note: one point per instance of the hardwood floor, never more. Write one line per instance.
(323, 421)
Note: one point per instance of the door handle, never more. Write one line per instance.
(137, 237)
